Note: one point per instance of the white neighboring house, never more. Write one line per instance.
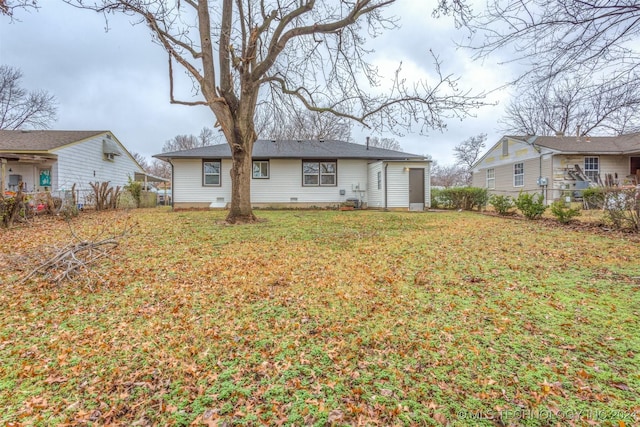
(309, 173)
(54, 160)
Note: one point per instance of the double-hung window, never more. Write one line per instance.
(491, 178)
(592, 167)
(518, 175)
(211, 173)
(319, 173)
(260, 169)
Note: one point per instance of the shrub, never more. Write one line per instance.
(502, 204)
(466, 198)
(564, 213)
(531, 205)
(622, 208)
(593, 197)
(436, 198)
(135, 188)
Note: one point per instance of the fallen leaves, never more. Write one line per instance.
(321, 318)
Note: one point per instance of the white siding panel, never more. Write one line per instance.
(283, 185)
(84, 162)
(398, 184)
(187, 182)
(376, 196)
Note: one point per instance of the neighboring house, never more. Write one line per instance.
(557, 166)
(317, 173)
(54, 160)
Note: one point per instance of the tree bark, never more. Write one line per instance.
(240, 211)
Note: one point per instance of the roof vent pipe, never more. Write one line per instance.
(367, 143)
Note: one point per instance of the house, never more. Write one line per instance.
(55, 160)
(310, 173)
(558, 166)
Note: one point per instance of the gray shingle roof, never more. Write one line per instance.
(624, 144)
(42, 140)
(308, 149)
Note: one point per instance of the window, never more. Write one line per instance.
(592, 168)
(211, 172)
(518, 175)
(260, 169)
(491, 178)
(505, 147)
(379, 180)
(319, 173)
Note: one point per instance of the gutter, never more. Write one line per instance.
(386, 165)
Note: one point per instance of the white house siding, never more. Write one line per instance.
(376, 196)
(398, 184)
(283, 187)
(83, 162)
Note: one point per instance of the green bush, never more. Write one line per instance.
(593, 197)
(135, 189)
(531, 205)
(622, 208)
(466, 198)
(502, 204)
(564, 213)
(436, 200)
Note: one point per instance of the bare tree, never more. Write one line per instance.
(20, 109)
(208, 136)
(8, 6)
(302, 125)
(142, 160)
(159, 168)
(386, 143)
(311, 53)
(467, 153)
(574, 106)
(555, 37)
(447, 175)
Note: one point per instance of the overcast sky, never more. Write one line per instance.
(118, 81)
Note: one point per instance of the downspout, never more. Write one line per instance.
(173, 187)
(386, 165)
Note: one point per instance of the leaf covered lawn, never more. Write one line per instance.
(325, 317)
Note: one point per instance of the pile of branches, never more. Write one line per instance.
(106, 197)
(75, 260)
(11, 207)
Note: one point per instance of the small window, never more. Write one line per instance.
(592, 168)
(260, 169)
(518, 175)
(319, 173)
(379, 180)
(211, 173)
(505, 147)
(491, 178)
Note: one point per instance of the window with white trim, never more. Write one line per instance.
(379, 180)
(592, 167)
(260, 169)
(319, 173)
(491, 178)
(518, 175)
(211, 173)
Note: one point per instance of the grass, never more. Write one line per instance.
(326, 317)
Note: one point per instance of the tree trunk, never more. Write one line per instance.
(240, 211)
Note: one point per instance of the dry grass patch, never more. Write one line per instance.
(311, 318)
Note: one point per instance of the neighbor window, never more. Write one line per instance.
(491, 178)
(319, 173)
(211, 172)
(505, 147)
(592, 168)
(379, 180)
(260, 169)
(518, 175)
